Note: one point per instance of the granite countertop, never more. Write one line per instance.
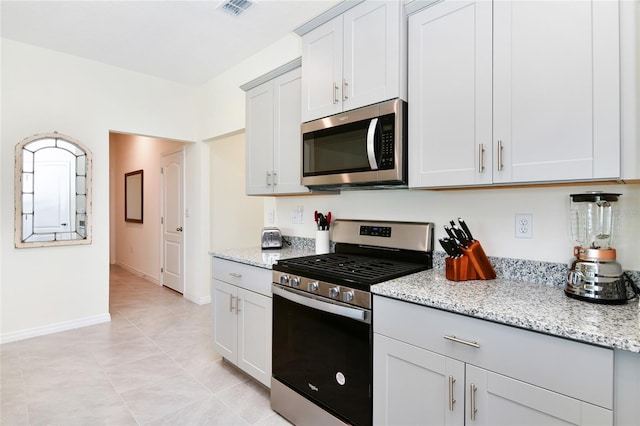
(531, 306)
(255, 256)
(515, 302)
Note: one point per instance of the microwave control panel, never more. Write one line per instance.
(388, 134)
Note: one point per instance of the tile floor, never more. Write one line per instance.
(154, 364)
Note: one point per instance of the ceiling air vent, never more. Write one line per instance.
(236, 7)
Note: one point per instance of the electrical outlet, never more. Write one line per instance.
(524, 226)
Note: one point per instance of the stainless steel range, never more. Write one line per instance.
(322, 359)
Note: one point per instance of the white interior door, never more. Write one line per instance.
(172, 274)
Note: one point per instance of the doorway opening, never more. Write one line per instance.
(142, 247)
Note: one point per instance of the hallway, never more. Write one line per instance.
(153, 364)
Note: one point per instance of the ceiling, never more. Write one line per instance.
(188, 42)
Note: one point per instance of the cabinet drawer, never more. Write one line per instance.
(574, 369)
(241, 275)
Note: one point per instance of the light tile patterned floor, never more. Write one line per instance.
(154, 364)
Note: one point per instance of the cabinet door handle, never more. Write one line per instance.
(335, 92)
(345, 92)
(481, 158)
(235, 274)
(451, 400)
(500, 148)
(268, 178)
(275, 180)
(474, 410)
(238, 304)
(464, 342)
(231, 303)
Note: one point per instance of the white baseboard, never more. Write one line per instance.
(138, 273)
(14, 336)
(199, 300)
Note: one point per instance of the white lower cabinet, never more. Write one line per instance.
(437, 368)
(242, 317)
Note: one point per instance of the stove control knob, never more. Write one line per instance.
(284, 279)
(347, 296)
(295, 281)
(334, 292)
(313, 286)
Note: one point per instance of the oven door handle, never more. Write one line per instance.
(310, 302)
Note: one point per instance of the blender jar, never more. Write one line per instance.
(594, 219)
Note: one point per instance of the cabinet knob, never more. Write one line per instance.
(179, 229)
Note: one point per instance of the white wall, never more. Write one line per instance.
(488, 212)
(237, 218)
(43, 91)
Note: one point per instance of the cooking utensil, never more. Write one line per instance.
(465, 228)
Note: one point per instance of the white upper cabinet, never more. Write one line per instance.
(355, 59)
(273, 146)
(450, 95)
(514, 92)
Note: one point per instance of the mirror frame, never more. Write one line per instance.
(134, 196)
(19, 243)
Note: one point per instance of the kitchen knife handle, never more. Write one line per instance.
(481, 158)
(500, 148)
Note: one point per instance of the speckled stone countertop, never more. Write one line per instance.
(511, 299)
(532, 306)
(256, 256)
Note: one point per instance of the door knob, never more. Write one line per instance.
(179, 229)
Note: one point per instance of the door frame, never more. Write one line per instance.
(180, 151)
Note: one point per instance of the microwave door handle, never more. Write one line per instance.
(371, 148)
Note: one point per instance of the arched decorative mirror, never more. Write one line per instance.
(52, 191)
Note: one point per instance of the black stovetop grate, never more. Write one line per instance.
(335, 267)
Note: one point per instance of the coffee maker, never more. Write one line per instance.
(595, 276)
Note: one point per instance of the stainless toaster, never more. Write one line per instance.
(271, 238)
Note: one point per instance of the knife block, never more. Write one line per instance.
(473, 265)
(459, 269)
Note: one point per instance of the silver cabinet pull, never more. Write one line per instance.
(481, 158)
(500, 147)
(235, 274)
(474, 410)
(464, 342)
(275, 180)
(231, 303)
(238, 304)
(179, 229)
(268, 178)
(335, 92)
(451, 400)
(345, 92)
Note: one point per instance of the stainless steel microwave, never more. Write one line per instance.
(359, 148)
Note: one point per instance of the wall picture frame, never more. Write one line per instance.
(134, 196)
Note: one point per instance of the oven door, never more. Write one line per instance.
(322, 350)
